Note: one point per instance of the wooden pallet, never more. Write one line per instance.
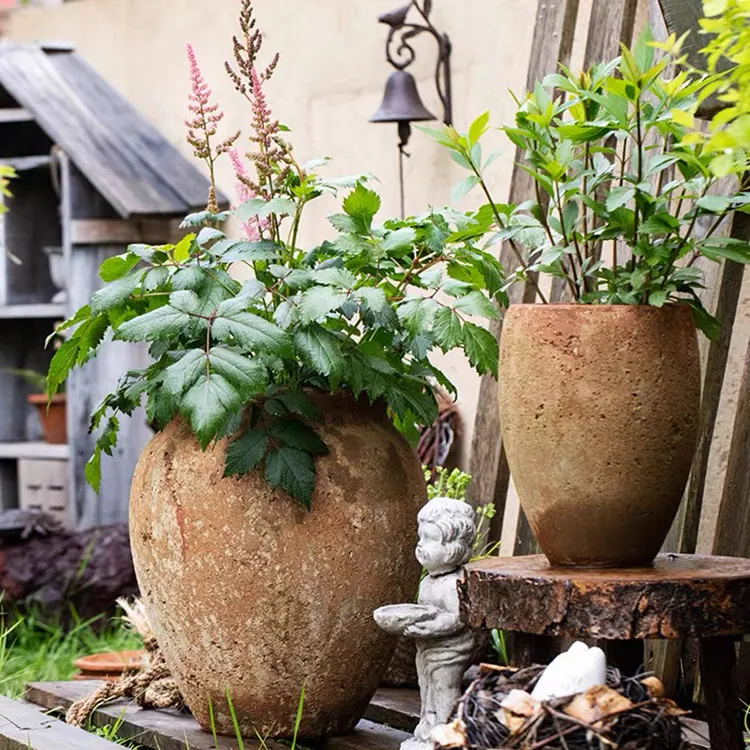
(389, 720)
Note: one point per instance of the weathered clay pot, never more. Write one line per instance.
(599, 412)
(254, 596)
(51, 415)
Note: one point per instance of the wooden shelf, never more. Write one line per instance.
(23, 163)
(33, 449)
(49, 310)
(15, 114)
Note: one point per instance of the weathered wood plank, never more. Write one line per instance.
(733, 528)
(124, 232)
(172, 730)
(160, 730)
(396, 707)
(25, 727)
(552, 43)
(129, 162)
(678, 596)
(116, 113)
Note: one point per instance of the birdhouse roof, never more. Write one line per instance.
(124, 157)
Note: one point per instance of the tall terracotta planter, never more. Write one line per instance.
(254, 596)
(599, 411)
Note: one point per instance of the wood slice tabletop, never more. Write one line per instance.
(678, 596)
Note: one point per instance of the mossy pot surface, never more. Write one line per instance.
(599, 410)
(254, 596)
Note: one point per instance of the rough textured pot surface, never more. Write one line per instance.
(599, 412)
(251, 594)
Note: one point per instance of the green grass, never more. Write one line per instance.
(35, 650)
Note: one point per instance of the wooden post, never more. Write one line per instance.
(87, 386)
(552, 44)
(723, 708)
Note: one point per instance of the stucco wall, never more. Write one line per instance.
(329, 82)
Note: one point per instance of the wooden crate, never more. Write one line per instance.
(43, 485)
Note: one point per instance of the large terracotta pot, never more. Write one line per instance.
(254, 596)
(599, 412)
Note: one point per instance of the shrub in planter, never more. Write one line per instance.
(276, 506)
(599, 398)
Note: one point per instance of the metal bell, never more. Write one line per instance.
(401, 102)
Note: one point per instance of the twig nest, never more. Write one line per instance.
(518, 707)
(499, 712)
(597, 704)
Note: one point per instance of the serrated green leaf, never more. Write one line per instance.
(399, 240)
(250, 252)
(182, 374)
(286, 314)
(181, 251)
(299, 402)
(481, 349)
(164, 322)
(361, 205)
(293, 471)
(248, 376)
(321, 349)
(116, 293)
(339, 277)
(373, 297)
(318, 301)
(117, 266)
(416, 313)
(257, 207)
(63, 361)
(245, 452)
(447, 328)
(405, 396)
(298, 435)
(209, 235)
(207, 404)
(475, 303)
(250, 331)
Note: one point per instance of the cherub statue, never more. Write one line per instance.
(444, 644)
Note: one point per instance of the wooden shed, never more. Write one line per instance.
(93, 176)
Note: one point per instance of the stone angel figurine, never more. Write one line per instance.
(445, 645)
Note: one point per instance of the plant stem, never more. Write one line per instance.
(514, 247)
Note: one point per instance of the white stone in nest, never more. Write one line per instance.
(574, 671)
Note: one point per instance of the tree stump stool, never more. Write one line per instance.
(679, 596)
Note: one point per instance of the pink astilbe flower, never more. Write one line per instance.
(203, 125)
(273, 158)
(253, 228)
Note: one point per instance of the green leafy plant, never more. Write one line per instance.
(453, 484)
(358, 312)
(37, 380)
(621, 183)
(727, 26)
(446, 484)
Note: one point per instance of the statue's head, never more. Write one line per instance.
(446, 535)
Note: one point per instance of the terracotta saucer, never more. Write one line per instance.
(107, 666)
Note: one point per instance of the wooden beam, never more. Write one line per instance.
(552, 43)
(172, 730)
(15, 114)
(25, 727)
(117, 232)
(733, 527)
